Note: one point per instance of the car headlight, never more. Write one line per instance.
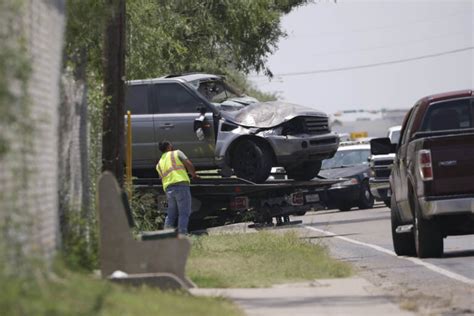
(274, 131)
(351, 181)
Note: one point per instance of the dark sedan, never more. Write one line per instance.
(350, 162)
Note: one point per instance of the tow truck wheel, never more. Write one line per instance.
(428, 237)
(251, 161)
(366, 200)
(304, 172)
(403, 244)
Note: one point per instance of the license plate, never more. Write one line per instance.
(312, 198)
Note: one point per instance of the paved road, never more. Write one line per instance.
(363, 237)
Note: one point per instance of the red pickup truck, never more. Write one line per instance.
(432, 180)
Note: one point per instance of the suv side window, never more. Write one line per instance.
(136, 99)
(173, 98)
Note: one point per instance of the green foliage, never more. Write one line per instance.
(80, 244)
(15, 70)
(249, 260)
(148, 210)
(170, 36)
(67, 293)
(238, 80)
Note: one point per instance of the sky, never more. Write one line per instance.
(431, 38)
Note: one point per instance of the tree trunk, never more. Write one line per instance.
(114, 73)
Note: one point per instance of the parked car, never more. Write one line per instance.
(350, 162)
(432, 180)
(380, 168)
(250, 140)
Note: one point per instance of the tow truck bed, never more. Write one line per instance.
(231, 200)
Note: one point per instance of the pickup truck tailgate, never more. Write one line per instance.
(453, 164)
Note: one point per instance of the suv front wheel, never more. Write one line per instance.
(251, 161)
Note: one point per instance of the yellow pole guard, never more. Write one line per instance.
(129, 155)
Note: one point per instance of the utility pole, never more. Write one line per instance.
(114, 90)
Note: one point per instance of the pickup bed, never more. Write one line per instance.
(432, 179)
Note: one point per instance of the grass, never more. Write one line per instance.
(259, 260)
(70, 293)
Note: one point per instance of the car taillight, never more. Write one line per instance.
(297, 198)
(424, 165)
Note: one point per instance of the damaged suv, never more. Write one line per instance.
(219, 128)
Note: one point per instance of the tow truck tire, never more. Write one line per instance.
(403, 244)
(251, 161)
(366, 200)
(304, 172)
(427, 235)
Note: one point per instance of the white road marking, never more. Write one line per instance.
(417, 261)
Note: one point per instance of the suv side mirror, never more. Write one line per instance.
(382, 146)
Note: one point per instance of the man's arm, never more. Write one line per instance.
(190, 168)
(187, 164)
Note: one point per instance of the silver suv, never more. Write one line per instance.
(219, 128)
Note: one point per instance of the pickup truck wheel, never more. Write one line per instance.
(251, 161)
(387, 202)
(366, 200)
(304, 172)
(428, 237)
(403, 244)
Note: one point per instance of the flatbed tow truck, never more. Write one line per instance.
(218, 201)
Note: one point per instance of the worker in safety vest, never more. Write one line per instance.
(173, 169)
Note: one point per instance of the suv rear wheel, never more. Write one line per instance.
(305, 171)
(251, 161)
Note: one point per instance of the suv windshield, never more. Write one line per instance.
(215, 91)
(345, 158)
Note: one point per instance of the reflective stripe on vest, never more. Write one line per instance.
(174, 165)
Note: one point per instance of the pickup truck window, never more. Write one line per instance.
(173, 98)
(136, 99)
(448, 116)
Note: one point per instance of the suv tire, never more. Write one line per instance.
(427, 235)
(251, 161)
(403, 244)
(366, 200)
(304, 172)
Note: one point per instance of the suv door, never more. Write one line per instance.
(144, 150)
(175, 107)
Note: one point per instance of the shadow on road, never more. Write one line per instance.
(325, 236)
(459, 254)
(350, 221)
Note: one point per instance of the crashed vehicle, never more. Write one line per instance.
(251, 137)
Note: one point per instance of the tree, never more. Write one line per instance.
(171, 36)
(114, 90)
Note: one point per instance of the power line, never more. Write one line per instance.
(393, 45)
(391, 62)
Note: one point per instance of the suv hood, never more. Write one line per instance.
(269, 114)
(235, 104)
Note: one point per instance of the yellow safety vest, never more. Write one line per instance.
(171, 169)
